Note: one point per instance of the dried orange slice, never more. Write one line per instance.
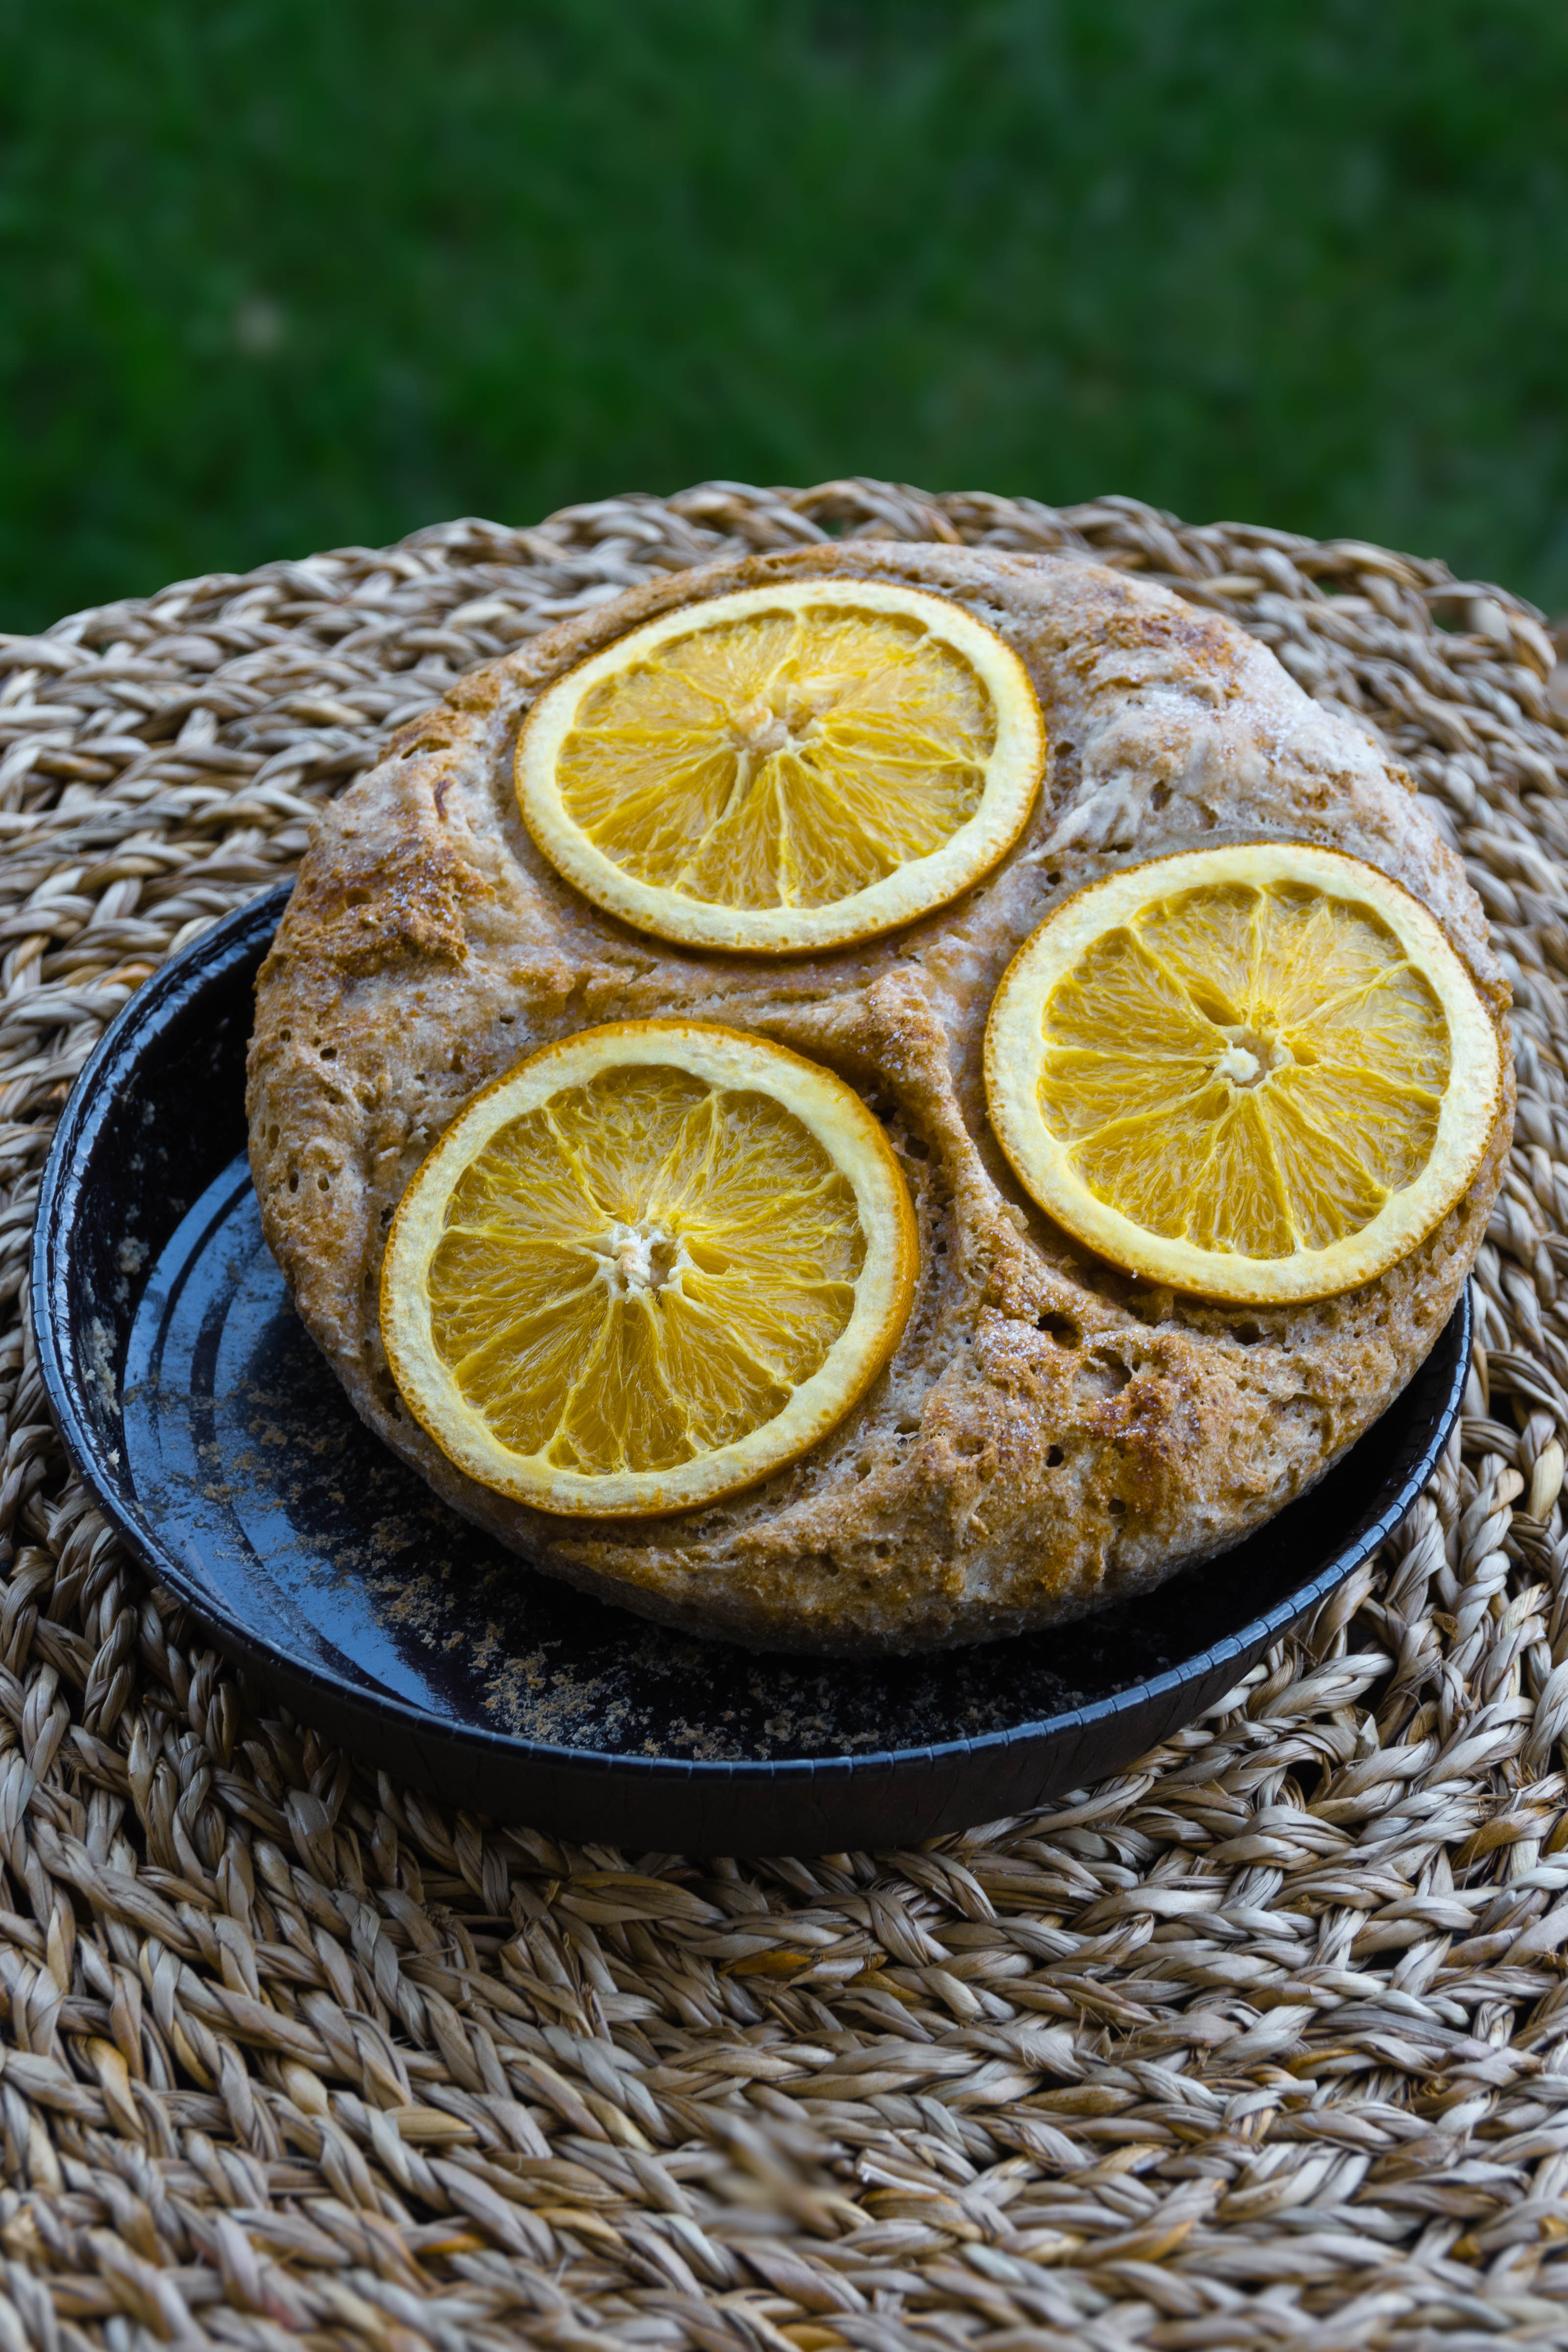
(786, 767)
(648, 1266)
(1260, 1073)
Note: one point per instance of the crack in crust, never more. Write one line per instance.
(1049, 1433)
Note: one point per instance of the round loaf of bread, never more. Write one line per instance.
(1050, 1432)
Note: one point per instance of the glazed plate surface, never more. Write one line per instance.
(215, 1438)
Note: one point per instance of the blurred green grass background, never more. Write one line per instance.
(282, 274)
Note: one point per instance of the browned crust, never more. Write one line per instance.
(1048, 1433)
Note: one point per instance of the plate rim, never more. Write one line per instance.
(183, 977)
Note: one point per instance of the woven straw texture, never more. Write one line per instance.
(1264, 2043)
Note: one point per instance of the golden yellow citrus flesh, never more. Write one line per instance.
(1258, 1073)
(786, 767)
(648, 1266)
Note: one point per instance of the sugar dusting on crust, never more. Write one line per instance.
(1050, 1432)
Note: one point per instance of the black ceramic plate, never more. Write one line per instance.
(218, 1443)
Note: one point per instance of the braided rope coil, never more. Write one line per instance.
(1264, 2043)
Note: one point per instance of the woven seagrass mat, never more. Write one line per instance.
(1264, 2043)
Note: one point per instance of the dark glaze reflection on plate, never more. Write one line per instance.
(218, 1441)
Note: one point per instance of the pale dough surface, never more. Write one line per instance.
(1049, 1433)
